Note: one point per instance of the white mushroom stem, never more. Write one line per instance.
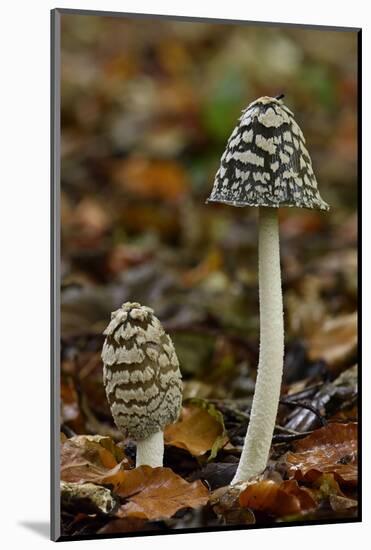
(150, 451)
(258, 439)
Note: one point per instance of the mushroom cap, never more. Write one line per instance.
(140, 372)
(266, 162)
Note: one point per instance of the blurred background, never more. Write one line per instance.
(147, 107)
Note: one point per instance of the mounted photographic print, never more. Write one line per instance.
(204, 275)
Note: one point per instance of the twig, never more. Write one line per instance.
(310, 408)
(68, 432)
(303, 394)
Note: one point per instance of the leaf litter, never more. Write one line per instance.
(138, 159)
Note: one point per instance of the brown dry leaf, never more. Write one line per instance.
(326, 488)
(174, 56)
(339, 503)
(161, 179)
(96, 459)
(70, 409)
(279, 499)
(307, 223)
(124, 256)
(197, 389)
(199, 429)
(305, 306)
(225, 503)
(346, 413)
(155, 493)
(331, 449)
(89, 367)
(208, 265)
(335, 341)
(140, 215)
(89, 223)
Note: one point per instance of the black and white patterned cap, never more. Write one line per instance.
(266, 162)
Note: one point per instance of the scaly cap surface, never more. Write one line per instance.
(266, 162)
(141, 372)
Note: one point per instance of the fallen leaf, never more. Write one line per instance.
(124, 256)
(96, 459)
(199, 430)
(331, 449)
(210, 264)
(310, 222)
(161, 179)
(225, 503)
(339, 503)
(335, 341)
(89, 372)
(196, 389)
(89, 223)
(346, 413)
(327, 489)
(150, 215)
(70, 409)
(155, 493)
(278, 499)
(305, 307)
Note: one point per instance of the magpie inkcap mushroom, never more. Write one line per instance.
(142, 379)
(266, 164)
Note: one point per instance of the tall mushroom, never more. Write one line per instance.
(266, 164)
(142, 379)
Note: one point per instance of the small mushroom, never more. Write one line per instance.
(266, 164)
(142, 379)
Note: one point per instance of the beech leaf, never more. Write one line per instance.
(335, 341)
(200, 429)
(155, 493)
(96, 459)
(326, 488)
(279, 499)
(331, 449)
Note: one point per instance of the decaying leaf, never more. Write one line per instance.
(339, 503)
(225, 503)
(87, 497)
(155, 493)
(331, 449)
(151, 179)
(209, 264)
(96, 459)
(200, 429)
(147, 108)
(70, 410)
(196, 389)
(278, 499)
(327, 489)
(305, 308)
(89, 222)
(335, 341)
